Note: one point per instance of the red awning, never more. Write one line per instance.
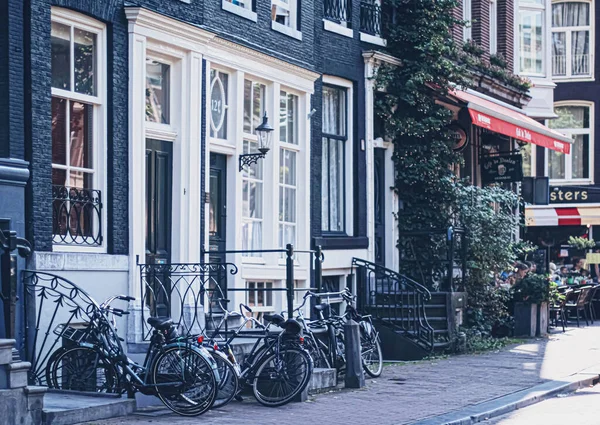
(504, 120)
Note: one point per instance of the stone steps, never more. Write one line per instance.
(70, 407)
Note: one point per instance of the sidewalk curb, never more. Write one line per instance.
(511, 402)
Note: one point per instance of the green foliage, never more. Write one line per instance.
(522, 249)
(478, 342)
(581, 243)
(533, 289)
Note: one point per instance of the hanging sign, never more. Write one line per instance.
(459, 134)
(502, 169)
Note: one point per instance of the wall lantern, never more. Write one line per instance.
(263, 132)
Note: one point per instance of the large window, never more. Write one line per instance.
(284, 12)
(573, 120)
(333, 159)
(77, 122)
(158, 82)
(466, 9)
(531, 37)
(571, 39)
(252, 175)
(288, 138)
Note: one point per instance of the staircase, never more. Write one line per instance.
(398, 306)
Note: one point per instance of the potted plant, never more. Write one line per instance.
(531, 295)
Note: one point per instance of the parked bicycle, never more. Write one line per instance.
(183, 375)
(330, 326)
(277, 368)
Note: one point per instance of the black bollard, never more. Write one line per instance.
(355, 377)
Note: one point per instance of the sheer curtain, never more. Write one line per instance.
(574, 15)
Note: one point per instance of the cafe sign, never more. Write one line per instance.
(573, 195)
(502, 169)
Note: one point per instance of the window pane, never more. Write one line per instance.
(570, 14)
(527, 159)
(59, 177)
(247, 106)
(283, 118)
(81, 149)
(571, 117)
(334, 111)
(85, 62)
(325, 186)
(530, 37)
(258, 105)
(61, 56)
(336, 185)
(559, 53)
(580, 51)
(157, 92)
(292, 109)
(59, 131)
(290, 205)
(219, 104)
(580, 156)
(556, 165)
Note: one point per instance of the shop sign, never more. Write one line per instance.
(459, 134)
(502, 169)
(573, 195)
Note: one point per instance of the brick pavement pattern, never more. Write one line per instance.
(409, 392)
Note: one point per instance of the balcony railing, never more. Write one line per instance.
(76, 216)
(370, 18)
(339, 11)
(580, 65)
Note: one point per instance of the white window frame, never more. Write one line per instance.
(531, 7)
(292, 147)
(493, 27)
(349, 160)
(568, 36)
(78, 20)
(291, 29)
(243, 10)
(226, 106)
(572, 132)
(466, 16)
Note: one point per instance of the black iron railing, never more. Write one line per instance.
(76, 216)
(370, 18)
(394, 299)
(189, 293)
(339, 11)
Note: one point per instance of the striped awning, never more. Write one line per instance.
(565, 216)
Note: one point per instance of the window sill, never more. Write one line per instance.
(337, 28)
(572, 182)
(79, 249)
(80, 261)
(239, 10)
(290, 32)
(581, 79)
(373, 39)
(328, 242)
(253, 260)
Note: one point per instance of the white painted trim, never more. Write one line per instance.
(373, 39)
(160, 132)
(53, 261)
(291, 32)
(337, 28)
(239, 10)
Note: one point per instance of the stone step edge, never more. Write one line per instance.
(511, 402)
(114, 409)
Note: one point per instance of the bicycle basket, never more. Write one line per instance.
(77, 334)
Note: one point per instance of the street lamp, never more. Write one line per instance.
(263, 132)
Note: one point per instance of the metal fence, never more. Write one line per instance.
(76, 216)
(370, 18)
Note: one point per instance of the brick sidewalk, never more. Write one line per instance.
(409, 392)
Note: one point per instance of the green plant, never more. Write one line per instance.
(581, 243)
(498, 60)
(522, 249)
(532, 289)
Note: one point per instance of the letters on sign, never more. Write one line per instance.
(502, 169)
(572, 195)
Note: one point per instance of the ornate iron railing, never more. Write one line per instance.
(186, 293)
(339, 11)
(56, 312)
(76, 216)
(370, 18)
(394, 299)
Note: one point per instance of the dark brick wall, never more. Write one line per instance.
(12, 132)
(340, 56)
(506, 30)
(480, 18)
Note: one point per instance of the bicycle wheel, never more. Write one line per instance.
(228, 380)
(316, 352)
(281, 377)
(184, 381)
(372, 359)
(84, 369)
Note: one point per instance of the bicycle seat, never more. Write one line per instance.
(276, 319)
(160, 323)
